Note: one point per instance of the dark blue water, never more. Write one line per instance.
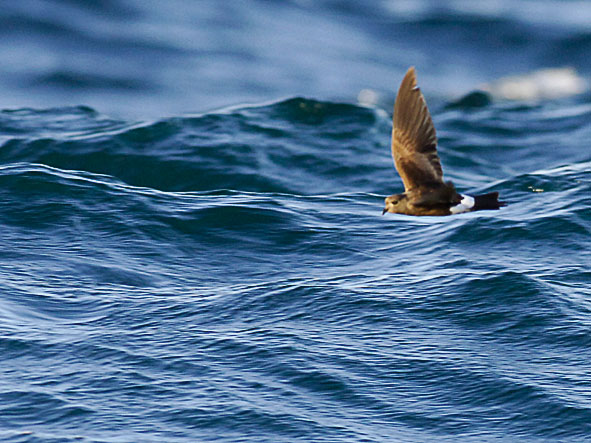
(176, 270)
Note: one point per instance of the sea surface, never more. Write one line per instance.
(192, 241)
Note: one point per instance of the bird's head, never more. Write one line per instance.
(395, 203)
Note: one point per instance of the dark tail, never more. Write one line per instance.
(487, 201)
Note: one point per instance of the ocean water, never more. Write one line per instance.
(193, 245)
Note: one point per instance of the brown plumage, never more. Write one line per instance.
(414, 149)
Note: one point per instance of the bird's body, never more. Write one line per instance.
(414, 149)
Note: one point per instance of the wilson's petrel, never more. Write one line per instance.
(414, 148)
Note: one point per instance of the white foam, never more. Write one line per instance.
(549, 83)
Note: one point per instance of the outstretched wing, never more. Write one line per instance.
(414, 140)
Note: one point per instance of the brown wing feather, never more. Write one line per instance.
(414, 142)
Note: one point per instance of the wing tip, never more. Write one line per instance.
(410, 107)
(409, 80)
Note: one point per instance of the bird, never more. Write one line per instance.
(414, 150)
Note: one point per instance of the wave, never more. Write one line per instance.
(284, 152)
(285, 147)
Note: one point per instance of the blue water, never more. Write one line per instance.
(193, 246)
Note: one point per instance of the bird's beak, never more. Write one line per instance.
(384, 211)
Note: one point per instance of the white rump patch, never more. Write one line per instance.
(465, 205)
(467, 201)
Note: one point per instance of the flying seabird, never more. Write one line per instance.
(414, 148)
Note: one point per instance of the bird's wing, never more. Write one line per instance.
(414, 140)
